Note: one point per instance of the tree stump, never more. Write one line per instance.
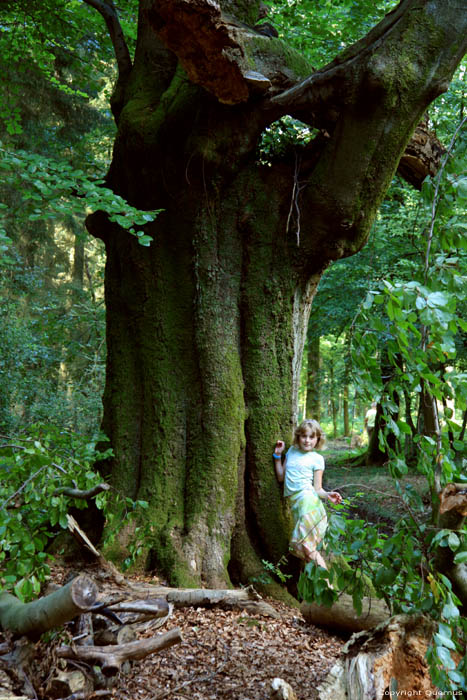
(380, 663)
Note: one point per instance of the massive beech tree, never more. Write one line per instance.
(206, 326)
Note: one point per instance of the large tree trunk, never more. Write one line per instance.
(206, 326)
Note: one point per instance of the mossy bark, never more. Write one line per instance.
(205, 328)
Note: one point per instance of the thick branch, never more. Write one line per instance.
(32, 619)
(108, 11)
(328, 84)
(227, 57)
(111, 658)
(79, 493)
(240, 598)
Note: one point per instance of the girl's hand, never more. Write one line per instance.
(335, 497)
(279, 448)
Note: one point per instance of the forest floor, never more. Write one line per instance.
(224, 654)
(233, 654)
(369, 490)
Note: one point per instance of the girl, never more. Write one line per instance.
(303, 471)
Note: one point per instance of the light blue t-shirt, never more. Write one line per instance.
(300, 469)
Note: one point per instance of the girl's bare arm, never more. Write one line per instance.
(279, 466)
(333, 496)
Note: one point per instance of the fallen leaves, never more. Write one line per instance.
(231, 655)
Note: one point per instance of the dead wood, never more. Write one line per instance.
(68, 683)
(241, 598)
(18, 666)
(454, 498)
(342, 617)
(86, 628)
(375, 662)
(81, 537)
(111, 659)
(32, 619)
(281, 690)
(155, 607)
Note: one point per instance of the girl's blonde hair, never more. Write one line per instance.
(315, 428)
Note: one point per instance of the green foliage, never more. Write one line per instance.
(52, 338)
(413, 324)
(398, 568)
(272, 572)
(282, 138)
(322, 28)
(53, 189)
(35, 469)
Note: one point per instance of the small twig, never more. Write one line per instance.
(370, 488)
(297, 188)
(23, 486)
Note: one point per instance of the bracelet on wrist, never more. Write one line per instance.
(276, 456)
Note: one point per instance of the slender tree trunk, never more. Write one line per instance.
(313, 388)
(345, 400)
(345, 410)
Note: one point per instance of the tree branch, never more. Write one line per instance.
(32, 619)
(79, 493)
(108, 11)
(111, 658)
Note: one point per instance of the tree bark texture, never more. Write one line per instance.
(205, 328)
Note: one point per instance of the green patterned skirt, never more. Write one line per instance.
(310, 522)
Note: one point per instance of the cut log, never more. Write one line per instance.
(342, 618)
(32, 619)
(383, 662)
(110, 659)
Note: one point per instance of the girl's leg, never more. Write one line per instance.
(314, 556)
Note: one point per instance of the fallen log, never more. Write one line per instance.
(110, 659)
(32, 619)
(239, 598)
(383, 662)
(342, 617)
(155, 607)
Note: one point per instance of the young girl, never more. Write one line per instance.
(303, 471)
